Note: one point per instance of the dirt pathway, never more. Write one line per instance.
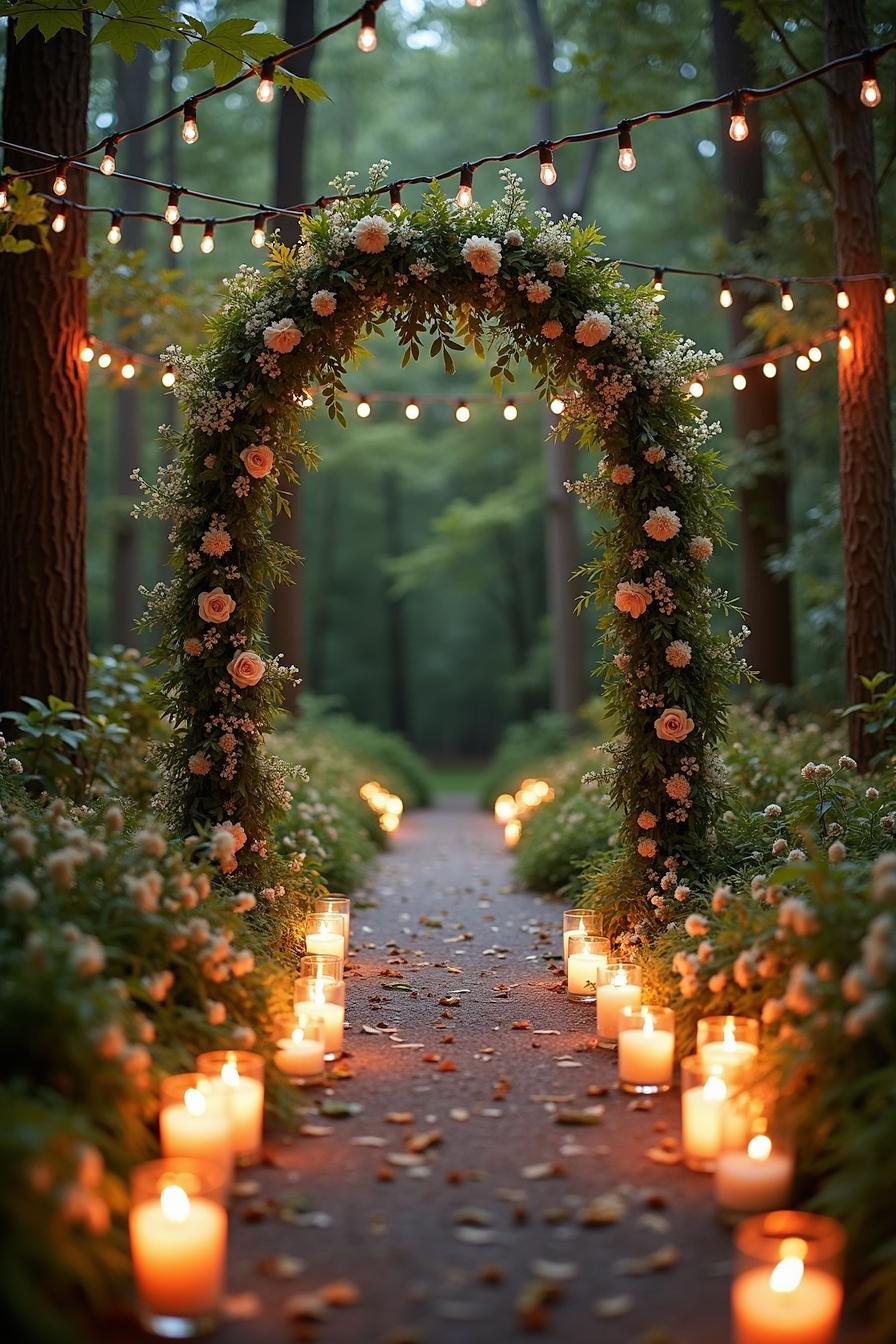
(443, 1243)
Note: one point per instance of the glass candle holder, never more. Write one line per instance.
(336, 904)
(754, 1168)
(618, 987)
(325, 935)
(646, 1049)
(788, 1286)
(586, 956)
(178, 1235)
(705, 1089)
(728, 1042)
(313, 963)
(242, 1075)
(323, 996)
(301, 1050)
(195, 1120)
(581, 922)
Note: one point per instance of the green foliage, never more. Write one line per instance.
(374, 752)
(524, 750)
(561, 835)
(62, 750)
(152, 307)
(878, 712)
(25, 210)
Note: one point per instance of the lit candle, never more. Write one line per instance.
(753, 1179)
(726, 1044)
(301, 1055)
(586, 957)
(788, 1287)
(241, 1075)
(646, 1049)
(321, 993)
(336, 905)
(619, 986)
(578, 923)
(178, 1245)
(325, 935)
(195, 1120)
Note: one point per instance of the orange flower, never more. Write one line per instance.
(258, 460)
(632, 598)
(216, 606)
(673, 725)
(246, 668)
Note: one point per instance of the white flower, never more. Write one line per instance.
(662, 524)
(151, 843)
(594, 327)
(846, 763)
(323, 302)
(696, 925)
(215, 1012)
(243, 963)
(243, 901)
(700, 549)
(513, 238)
(243, 1038)
(483, 254)
(871, 794)
(282, 336)
(371, 234)
(772, 1012)
(556, 269)
(88, 957)
(773, 810)
(19, 894)
(837, 852)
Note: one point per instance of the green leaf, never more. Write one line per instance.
(302, 88)
(49, 18)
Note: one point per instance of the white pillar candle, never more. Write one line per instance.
(754, 1179)
(198, 1126)
(581, 970)
(325, 943)
(179, 1251)
(333, 1015)
(726, 1045)
(646, 1053)
(299, 1056)
(580, 931)
(724, 1056)
(246, 1098)
(701, 1121)
(792, 1303)
(611, 999)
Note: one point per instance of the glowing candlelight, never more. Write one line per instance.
(618, 987)
(241, 1074)
(798, 1300)
(195, 1120)
(646, 1049)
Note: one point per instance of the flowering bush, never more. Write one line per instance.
(564, 832)
(488, 276)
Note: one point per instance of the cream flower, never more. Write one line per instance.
(622, 475)
(371, 233)
(246, 668)
(662, 524)
(700, 549)
(216, 541)
(282, 336)
(323, 302)
(483, 254)
(538, 292)
(594, 327)
(673, 725)
(678, 653)
(193, 646)
(632, 598)
(556, 269)
(216, 606)
(513, 238)
(552, 329)
(258, 460)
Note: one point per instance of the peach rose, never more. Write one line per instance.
(282, 336)
(246, 668)
(216, 606)
(673, 725)
(235, 829)
(258, 460)
(632, 598)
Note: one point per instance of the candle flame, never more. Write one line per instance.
(759, 1147)
(728, 1039)
(787, 1275)
(298, 1035)
(648, 1022)
(714, 1088)
(230, 1074)
(194, 1101)
(175, 1203)
(620, 978)
(581, 926)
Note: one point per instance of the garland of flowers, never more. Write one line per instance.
(491, 278)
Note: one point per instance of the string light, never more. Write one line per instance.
(889, 291)
(169, 376)
(412, 410)
(87, 352)
(207, 243)
(464, 195)
(367, 32)
(60, 181)
(114, 234)
(739, 382)
(105, 359)
(510, 410)
(659, 291)
(363, 408)
(627, 160)
(265, 91)
(395, 199)
(738, 130)
(4, 191)
(547, 172)
(726, 298)
(696, 388)
(803, 363)
(172, 209)
(107, 163)
(770, 369)
(786, 296)
(814, 354)
(190, 128)
(845, 341)
(842, 296)
(476, 4)
(307, 401)
(58, 222)
(128, 369)
(259, 233)
(462, 412)
(870, 94)
(176, 241)
(558, 405)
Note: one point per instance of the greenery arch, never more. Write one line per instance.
(517, 287)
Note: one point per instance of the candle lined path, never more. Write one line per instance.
(504, 1192)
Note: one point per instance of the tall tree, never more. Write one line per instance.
(763, 498)
(867, 500)
(43, 390)
(286, 621)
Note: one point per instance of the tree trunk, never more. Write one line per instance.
(286, 620)
(132, 101)
(763, 502)
(396, 635)
(43, 393)
(867, 501)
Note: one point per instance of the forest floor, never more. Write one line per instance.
(455, 1201)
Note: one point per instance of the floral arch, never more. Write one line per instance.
(512, 287)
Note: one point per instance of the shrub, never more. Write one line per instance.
(560, 836)
(374, 751)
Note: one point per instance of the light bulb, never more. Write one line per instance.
(367, 31)
(362, 410)
(842, 296)
(464, 197)
(169, 377)
(306, 401)
(558, 405)
(207, 243)
(172, 209)
(696, 388)
(259, 236)
(476, 4)
(870, 94)
(107, 163)
(726, 298)
(265, 91)
(4, 192)
(128, 369)
(738, 130)
(114, 234)
(58, 223)
(659, 292)
(510, 410)
(60, 181)
(104, 360)
(176, 242)
(462, 412)
(814, 354)
(770, 369)
(395, 200)
(786, 296)
(86, 352)
(889, 291)
(547, 172)
(627, 160)
(803, 363)
(738, 382)
(845, 342)
(412, 411)
(190, 131)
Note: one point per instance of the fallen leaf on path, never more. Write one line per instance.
(521, 1025)
(590, 1115)
(654, 1222)
(340, 1293)
(242, 1306)
(447, 1066)
(281, 1267)
(568, 1064)
(340, 1110)
(385, 1173)
(315, 1131)
(463, 1177)
(340, 1073)
(665, 1157)
(542, 1171)
(399, 985)
(368, 1141)
(458, 1113)
(596, 1090)
(371, 1031)
(470, 1216)
(553, 1098)
(532, 1304)
(405, 1160)
(431, 1058)
(421, 1143)
(304, 1307)
(666, 1257)
(603, 1211)
(492, 1274)
(400, 1117)
(449, 1001)
(245, 1189)
(611, 1307)
(545, 1031)
(641, 1104)
(555, 1271)
(256, 1210)
(475, 1236)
